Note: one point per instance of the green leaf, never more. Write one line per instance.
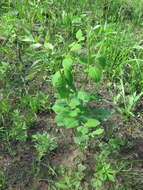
(75, 47)
(83, 129)
(85, 96)
(74, 103)
(69, 77)
(36, 45)
(64, 92)
(86, 61)
(92, 123)
(102, 61)
(57, 80)
(111, 178)
(61, 186)
(95, 73)
(30, 76)
(59, 119)
(60, 84)
(67, 63)
(70, 122)
(28, 39)
(59, 106)
(82, 95)
(82, 60)
(97, 132)
(48, 46)
(74, 113)
(79, 35)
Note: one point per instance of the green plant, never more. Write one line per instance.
(71, 104)
(18, 130)
(44, 143)
(129, 101)
(86, 133)
(105, 175)
(70, 179)
(103, 172)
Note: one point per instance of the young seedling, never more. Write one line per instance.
(71, 107)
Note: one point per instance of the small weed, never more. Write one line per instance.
(44, 143)
(19, 128)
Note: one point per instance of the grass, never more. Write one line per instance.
(71, 86)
